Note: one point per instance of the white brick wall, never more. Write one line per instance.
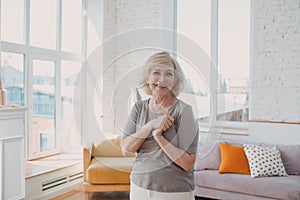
(276, 61)
(121, 16)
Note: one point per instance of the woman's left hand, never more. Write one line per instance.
(157, 133)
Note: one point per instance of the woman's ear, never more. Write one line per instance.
(147, 80)
(138, 95)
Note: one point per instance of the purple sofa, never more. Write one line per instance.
(209, 183)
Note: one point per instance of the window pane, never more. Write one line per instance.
(70, 72)
(71, 26)
(43, 106)
(43, 23)
(12, 20)
(233, 60)
(12, 76)
(197, 92)
(199, 31)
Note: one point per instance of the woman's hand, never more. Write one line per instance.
(162, 122)
(157, 133)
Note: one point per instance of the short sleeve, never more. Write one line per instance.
(187, 133)
(130, 126)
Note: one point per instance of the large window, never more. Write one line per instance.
(233, 59)
(41, 56)
(196, 92)
(222, 29)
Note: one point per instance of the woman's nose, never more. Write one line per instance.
(162, 78)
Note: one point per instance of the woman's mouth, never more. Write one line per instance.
(160, 85)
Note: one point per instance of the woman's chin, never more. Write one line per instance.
(162, 92)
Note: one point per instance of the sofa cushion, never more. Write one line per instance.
(109, 170)
(233, 159)
(210, 154)
(270, 187)
(264, 161)
(109, 148)
(290, 157)
(208, 160)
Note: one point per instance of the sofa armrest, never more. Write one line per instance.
(87, 157)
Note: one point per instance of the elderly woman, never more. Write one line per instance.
(163, 132)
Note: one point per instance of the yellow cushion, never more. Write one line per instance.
(109, 170)
(233, 159)
(109, 148)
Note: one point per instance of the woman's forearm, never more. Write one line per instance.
(180, 157)
(133, 142)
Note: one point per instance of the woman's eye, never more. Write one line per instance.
(156, 73)
(169, 74)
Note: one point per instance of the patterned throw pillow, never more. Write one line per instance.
(264, 161)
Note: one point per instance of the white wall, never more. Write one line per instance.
(128, 15)
(95, 36)
(275, 73)
(275, 76)
(274, 133)
(120, 16)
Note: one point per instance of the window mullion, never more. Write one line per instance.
(58, 133)
(28, 90)
(84, 28)
(82, 74)
(59, 25)
(27, 22)
(214, 58)
(29, 98)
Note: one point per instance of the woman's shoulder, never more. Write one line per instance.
(182, 104)
(181, 107)
(142, 103)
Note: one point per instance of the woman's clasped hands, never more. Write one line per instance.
(161, 123)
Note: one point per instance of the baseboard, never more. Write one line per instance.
(53, 184)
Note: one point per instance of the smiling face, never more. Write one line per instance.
(161, 79)
(163, 75)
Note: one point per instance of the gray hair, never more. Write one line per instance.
(159, 59)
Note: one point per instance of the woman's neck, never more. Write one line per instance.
(160, 105)
(164, 101)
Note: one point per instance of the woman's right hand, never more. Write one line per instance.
(162, 122)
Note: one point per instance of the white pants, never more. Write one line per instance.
(138, 193)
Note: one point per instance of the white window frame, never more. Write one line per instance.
(30, 53)
(226, 127)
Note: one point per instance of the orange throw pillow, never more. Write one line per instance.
(233, 159)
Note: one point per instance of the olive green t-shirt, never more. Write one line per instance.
(152, 168)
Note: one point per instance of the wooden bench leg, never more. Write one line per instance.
(86, 196)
